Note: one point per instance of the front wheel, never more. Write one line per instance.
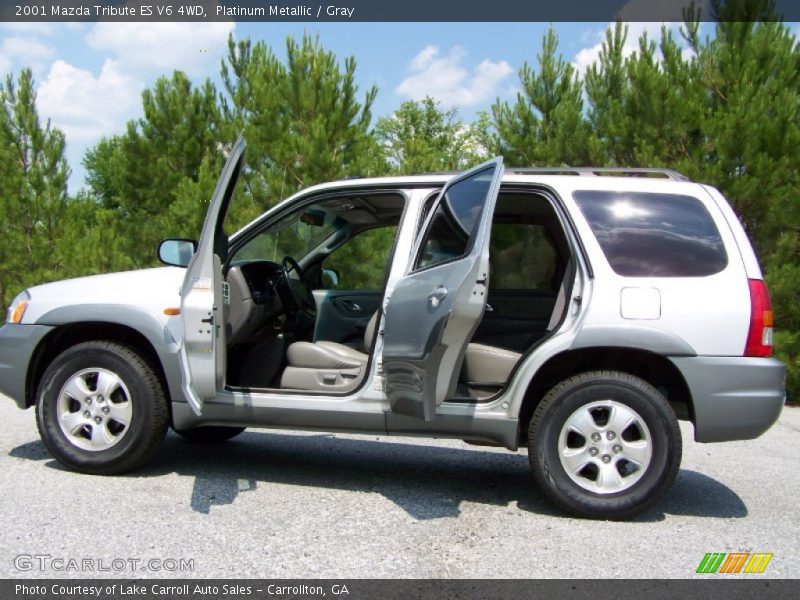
(604, 445)
(101, 409)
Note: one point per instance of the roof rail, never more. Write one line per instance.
(601, 171)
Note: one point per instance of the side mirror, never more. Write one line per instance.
(176, 253)
(330, 279)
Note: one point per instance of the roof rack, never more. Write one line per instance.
(601, 171)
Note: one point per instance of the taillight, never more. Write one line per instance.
(759, 338)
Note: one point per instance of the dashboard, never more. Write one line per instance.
(253, 300)
(261, 277)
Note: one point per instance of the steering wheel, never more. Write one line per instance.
(295, 301)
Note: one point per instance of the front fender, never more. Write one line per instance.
(163, 335)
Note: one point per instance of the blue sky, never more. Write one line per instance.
(90, 75)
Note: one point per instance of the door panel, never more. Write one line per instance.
(202, 353)
(515, 319)
(342, 315)
(433, 311)
(525, 264)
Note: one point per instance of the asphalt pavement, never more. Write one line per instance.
(295, 504)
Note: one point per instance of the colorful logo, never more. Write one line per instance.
(734, 562)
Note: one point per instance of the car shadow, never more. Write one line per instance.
(31, 451)
(428, 482)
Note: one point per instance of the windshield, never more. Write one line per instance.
(295, 235)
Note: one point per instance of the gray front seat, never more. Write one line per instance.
(327, 366)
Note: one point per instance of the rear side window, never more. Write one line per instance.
(521, 257)
(654, 235)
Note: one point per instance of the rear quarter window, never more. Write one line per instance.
(654, 235)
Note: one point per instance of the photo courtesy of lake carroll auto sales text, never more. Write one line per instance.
(388, 300)
(182, 590)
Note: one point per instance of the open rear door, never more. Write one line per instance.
(202, 352)
(434, 310)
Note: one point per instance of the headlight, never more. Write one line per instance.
(16, 310)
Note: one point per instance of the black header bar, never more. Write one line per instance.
(374, 10)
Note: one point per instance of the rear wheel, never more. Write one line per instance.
(101, 409)
(209, 435)
(604, 445)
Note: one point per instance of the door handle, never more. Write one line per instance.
(352, 306)
(437, 295)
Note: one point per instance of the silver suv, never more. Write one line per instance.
(577, 312)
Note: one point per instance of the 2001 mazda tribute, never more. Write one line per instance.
(578, 312)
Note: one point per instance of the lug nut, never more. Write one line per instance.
(105, 410)
(617, 448)
(595, 437)
(100, 399)
(88, 401)
(98, 420)
(606, 458)
(593, 451)
(86, 414)
(611, 435)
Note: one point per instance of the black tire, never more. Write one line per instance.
(569, 396)
(149, 413)
(209, 435)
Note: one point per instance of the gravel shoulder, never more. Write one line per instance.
(294, 504)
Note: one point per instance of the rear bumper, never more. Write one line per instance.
(734, 398)
(17, 345)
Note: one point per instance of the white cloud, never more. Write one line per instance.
(591, 54)
(445, 79)
(18, 51)
(163, 47)
(586, 57)
(86, 106)
(425, 57)
(24, 47)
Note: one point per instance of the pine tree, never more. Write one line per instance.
(33, 189)
(303, 119)
(606, 85)
(751, 75)
(545, 127)
(158, 177)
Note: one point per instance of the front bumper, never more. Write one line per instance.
(17, 345)
(734, 398)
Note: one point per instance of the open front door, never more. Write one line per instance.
(434, 310)
(202, 352)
